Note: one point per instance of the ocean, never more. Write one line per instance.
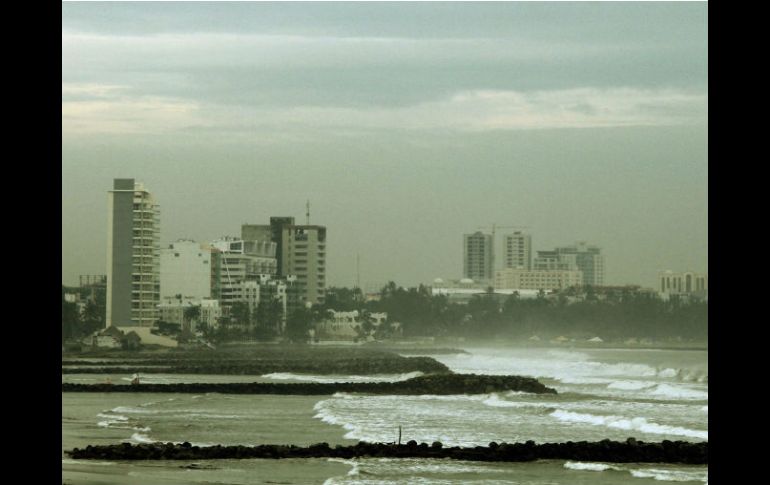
(651, 395)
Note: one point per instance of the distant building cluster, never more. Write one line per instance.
(281, 263)
(276, 268)
(563, 267)
(577, 266)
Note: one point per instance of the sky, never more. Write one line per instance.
(406, 125)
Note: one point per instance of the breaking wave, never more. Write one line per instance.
(594, 467)
(678, 392)
(671, 475)
(141, 438)
(630, 385)
(632, 424)
(288, 376)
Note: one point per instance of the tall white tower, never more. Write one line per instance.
(133, 255)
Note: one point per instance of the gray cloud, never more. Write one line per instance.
(405, 124)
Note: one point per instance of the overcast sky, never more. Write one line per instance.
(405, 124)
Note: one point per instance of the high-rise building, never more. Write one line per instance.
(133, 255)
(518, 251)
(269, 232)
(588, 260)
(235, 261)
(185, 270)
(303, 254)
(554, 261)
(478, 255)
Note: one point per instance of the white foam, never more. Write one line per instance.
(70, 461)
(130, 410)
(630, 385)
(116, 421)
(671, 475)
(142, 438)
(342, 378)
(675, 391)
(705, 408)
(495, 401)
(632, 424)
(113, 417)
(119, 425)
(668, 373)
(584, 380)
(594, 467)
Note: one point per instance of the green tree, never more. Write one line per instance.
(240, 314)
(70, 320)
(93, 317)
(298, 325)
(191, 314)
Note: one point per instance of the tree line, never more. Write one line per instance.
(615, 315)
(75, 325)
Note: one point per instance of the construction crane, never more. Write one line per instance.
(494, 241)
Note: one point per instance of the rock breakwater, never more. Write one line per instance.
(442, 384)
(630, 451)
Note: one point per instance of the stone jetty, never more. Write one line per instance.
(630, 451)
(429, 384)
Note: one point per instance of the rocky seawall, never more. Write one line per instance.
(429, 384)
(630, 451)
(351, 366)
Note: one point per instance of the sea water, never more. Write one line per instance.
(603, 393)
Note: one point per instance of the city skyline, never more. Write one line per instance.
(405, 131)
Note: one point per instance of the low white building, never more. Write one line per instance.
(171, 310)
(349, 325)
(521, 279)
(340, 325)
(687, 283)
(464, 290)
(109, 338)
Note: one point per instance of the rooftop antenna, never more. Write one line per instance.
(358, 270)
(307, 213)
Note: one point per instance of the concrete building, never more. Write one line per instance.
(687, 283)
(521, 279)
(339, 325)
(304, 256)
(133, 255)
(171, 310)
(553, 261)
(235, 261)
(349, 325)
(272, 232)
(518, 250)
(93, 281)
(464, 290)
(478, 257)
(589, 261)
(579, 256)
(185, 269)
